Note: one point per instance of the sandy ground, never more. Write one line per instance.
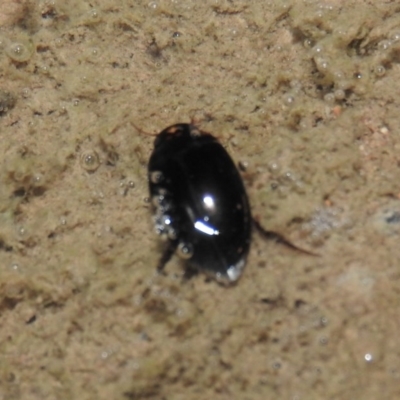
(304, 93)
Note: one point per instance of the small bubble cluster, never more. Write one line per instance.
(163, 221)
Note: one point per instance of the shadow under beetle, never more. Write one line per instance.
(200, 203)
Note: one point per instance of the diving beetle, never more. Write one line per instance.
(200, 203)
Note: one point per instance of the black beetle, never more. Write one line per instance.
(200, 202)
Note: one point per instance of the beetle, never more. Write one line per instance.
(200, 203)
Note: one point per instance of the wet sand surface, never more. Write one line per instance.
(305, 94)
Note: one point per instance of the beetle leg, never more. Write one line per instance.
(270, 235)
(189, 273)
(168, 252)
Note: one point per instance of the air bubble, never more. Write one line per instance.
(329, 98)
(277, 365)
(91, 17)
(94, 14)
(185, 250)
(25, 93)
(339, 94)
(273, 167)
(289, 99)
(319, 14)
(90, 160)
(368, 357)
(15, 267)
(172, 235)
(166, 220)
(317, 49)
(322, 63)
(243, 165)
(37, 180)
(153, 5)
(20, 51)
(323, 340)
(307, 43)
(156, 177)
(395, 37)
(338, 75)
(380, 70)
(384, 45)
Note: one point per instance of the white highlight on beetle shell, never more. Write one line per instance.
(204, 228)
(209, 202)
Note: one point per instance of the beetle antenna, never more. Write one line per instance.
(279, 238)
(141, 131)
